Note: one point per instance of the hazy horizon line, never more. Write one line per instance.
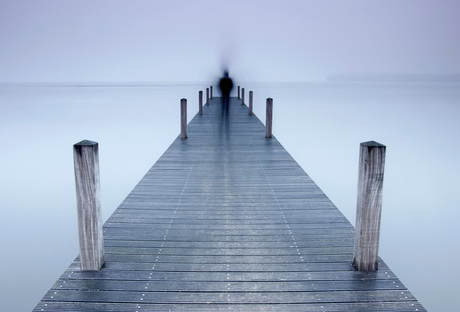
(370, 77)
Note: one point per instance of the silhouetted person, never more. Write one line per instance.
(226, 86)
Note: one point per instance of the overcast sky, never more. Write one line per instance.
(136, 41)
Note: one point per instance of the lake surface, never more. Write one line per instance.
(320, 124)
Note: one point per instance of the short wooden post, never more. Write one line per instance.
(200, 102)
(211, 91)
(238, 92)
(269, 118)
(369, 205)
(207, 96)
(242, 96)
(86, 165)
(183, 118)
(250, 102)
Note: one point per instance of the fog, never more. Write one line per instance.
(297, 40)
(271, 47)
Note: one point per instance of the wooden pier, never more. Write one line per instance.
(226, 220)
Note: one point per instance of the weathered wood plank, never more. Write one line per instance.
(269, 118)
(224, 286)
(369, 205)
(242, 297)
(183, 118)
(200, 102)
(227, 220)
(408, 306)
(251, 104)
(86, 162)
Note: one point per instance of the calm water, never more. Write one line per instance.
(320, 124)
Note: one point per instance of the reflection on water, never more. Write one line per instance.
(320, 124)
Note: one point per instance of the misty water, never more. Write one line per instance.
(320, 124)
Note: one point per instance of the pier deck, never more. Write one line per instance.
(226, 220)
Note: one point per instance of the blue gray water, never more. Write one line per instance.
(320, 124)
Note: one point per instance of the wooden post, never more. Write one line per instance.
(269, 118)
(369, 205)
(86, 165)
(242, 96)
(211, 91)
(250, 102)
(238, 92)
(200, 102)
(183, 118)
(207, 96)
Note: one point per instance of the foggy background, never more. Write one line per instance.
(307, 55)
(101, 41)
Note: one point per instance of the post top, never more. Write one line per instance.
(372, 144)
(86, 142)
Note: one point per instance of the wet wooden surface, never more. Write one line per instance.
(226, 220)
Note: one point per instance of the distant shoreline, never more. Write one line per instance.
(100, 84)
(393, 77)
(333, 79)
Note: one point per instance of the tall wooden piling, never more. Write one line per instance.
(183, 118)
(86, 165)
(242, 96)
(269, 118)
(250, 102)
(211, 91)
(238, 92)
(200, 102)
(369, 205)
(207, 96)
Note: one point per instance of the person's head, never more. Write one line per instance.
(226, 73)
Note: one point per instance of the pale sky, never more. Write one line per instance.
(150, 41)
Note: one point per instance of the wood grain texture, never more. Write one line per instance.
(369, 205)
(183, 118)
(269, 119)
(86, 164)
(251, 103)
(227, 221)
(200, 103)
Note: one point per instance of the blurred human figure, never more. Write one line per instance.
(225, 86)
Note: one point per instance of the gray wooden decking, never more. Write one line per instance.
(226, 220)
